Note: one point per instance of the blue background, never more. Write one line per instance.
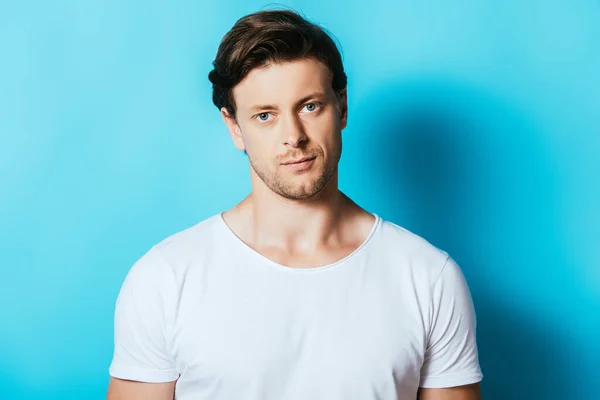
(472, 123)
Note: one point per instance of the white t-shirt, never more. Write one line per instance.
(203, 308)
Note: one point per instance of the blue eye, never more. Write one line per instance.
(263, 116)
(312, 107)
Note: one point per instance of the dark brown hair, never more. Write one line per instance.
(270, 36)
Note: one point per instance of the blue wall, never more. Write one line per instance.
(474, 124)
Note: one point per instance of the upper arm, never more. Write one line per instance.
(143, 324)
(119, 389)
(466, 392)
(451, 357)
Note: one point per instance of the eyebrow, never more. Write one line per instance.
(304, 99)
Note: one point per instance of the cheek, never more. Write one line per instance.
(325, 130)
(334, 148)
(332, 141)
(258, 145)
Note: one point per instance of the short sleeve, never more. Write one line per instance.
(141, 324)
(451, 356)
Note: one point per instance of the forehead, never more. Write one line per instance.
(283, 83)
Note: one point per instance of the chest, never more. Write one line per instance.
(355, 333)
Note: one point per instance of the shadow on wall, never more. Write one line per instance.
(477, 181)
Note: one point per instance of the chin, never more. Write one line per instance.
(309, 190)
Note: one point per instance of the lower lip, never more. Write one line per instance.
(301, 166)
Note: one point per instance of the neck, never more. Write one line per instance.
(296, 225)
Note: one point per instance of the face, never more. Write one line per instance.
(289, 122)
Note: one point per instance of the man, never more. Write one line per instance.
(296, 292)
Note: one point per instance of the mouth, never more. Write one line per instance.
(299, 165)
(299, 161)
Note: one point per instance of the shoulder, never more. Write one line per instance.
(190, 242)
(169, 258)
(409, 253)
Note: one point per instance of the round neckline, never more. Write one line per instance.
(240, 243)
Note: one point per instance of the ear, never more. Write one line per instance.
(343, 108)
(234, 129)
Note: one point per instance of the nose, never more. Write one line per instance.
(294, 134)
